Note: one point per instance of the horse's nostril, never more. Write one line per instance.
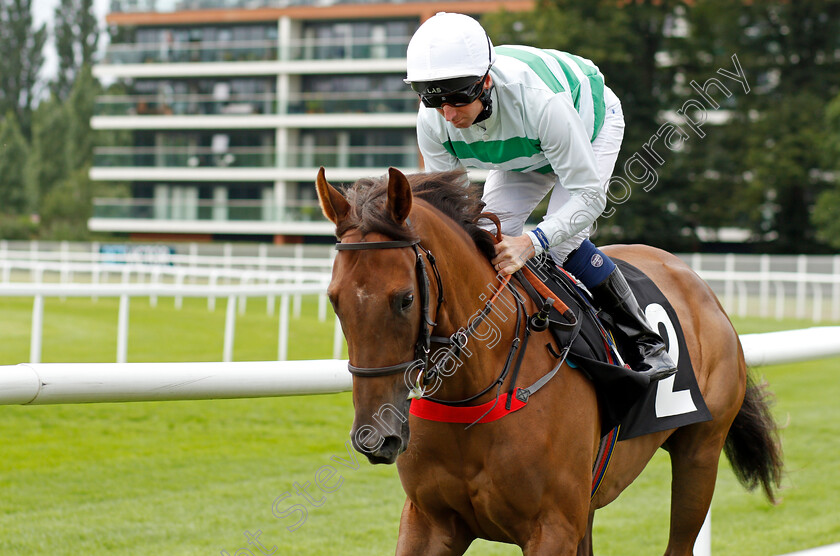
(391, 447)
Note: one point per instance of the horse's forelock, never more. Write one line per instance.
(449, 192)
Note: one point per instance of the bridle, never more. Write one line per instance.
(422, 348)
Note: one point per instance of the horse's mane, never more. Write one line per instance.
(445, 191)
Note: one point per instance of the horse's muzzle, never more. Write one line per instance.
(392, 446)
(379, 448)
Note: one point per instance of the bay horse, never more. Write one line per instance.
(413, 269)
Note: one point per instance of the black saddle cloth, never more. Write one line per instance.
(627, 398)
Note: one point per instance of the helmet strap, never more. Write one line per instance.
(487, 102)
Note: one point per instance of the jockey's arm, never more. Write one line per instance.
(565, 143)
(567, 147)
(435, 157)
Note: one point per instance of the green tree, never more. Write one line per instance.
(79, 108)
(76, 36)
(21, 58)
(624, 42)
(13, 155)
(67, 207)
(49, 158)
(826, 215)
(758, 165)
(789, 52)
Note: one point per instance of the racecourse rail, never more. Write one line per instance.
(57, 383)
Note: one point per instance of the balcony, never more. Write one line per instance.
(343, 48)
(184, 157)
(266, 103)
(255, 157)
(207, 210)
(352, 48)
(352, 157)
(165, 104)
(171, 53)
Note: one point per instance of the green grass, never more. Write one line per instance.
(182, 478)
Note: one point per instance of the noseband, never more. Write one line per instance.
(422, 347)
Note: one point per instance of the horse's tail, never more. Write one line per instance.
(752, 445)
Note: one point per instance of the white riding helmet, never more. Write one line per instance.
(448, 46)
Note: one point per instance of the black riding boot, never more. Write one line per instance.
(616, 299)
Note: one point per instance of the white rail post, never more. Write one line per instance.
(801, 270)
(228, 254)
(338, 339)
(703, 543)
(244, 278)
(835, 289)
(780, 300)
(728, 287)
(179, 282)
(742, 298)
(322, 307)
(816, 314)
(64, 256)
(36, 337)
(211, 299)
(283, 329)
(263, 256)
(122, 330)
(764, 286)
(299, 276)
(230, 324)
(193, 264)
(94, 277)
(33, 256)
(154, 279)
(269, 299)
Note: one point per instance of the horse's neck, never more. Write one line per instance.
(469, 283)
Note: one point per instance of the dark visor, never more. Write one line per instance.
(458, 91)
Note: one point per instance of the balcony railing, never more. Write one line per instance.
(355, 48)
(364, 103)
(225, 51)
(180, 104)
(185, 157)
(266, 103)
(130, 6)
(207, 209)
(352, 157)
(340, 48)
(255, 157)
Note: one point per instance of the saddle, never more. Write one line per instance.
(626, 397)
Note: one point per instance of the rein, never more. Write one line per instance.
(442, 410)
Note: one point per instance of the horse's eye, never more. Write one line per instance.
(407, 301)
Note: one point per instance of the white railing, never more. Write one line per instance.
(772, 281)
(52, 383)
(233, 293)
(265, 259)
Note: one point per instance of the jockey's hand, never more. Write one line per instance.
(511, 253)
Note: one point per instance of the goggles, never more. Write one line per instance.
(459, 91)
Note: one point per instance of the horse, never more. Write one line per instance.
(412, 270)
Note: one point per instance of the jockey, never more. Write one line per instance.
(541, 121)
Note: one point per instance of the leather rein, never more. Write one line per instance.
(422, 348)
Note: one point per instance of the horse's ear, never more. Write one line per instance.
(399, 195)
(333, 204)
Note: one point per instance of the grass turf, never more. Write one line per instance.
(185, 478)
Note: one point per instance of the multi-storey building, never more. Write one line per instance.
(232, 105)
